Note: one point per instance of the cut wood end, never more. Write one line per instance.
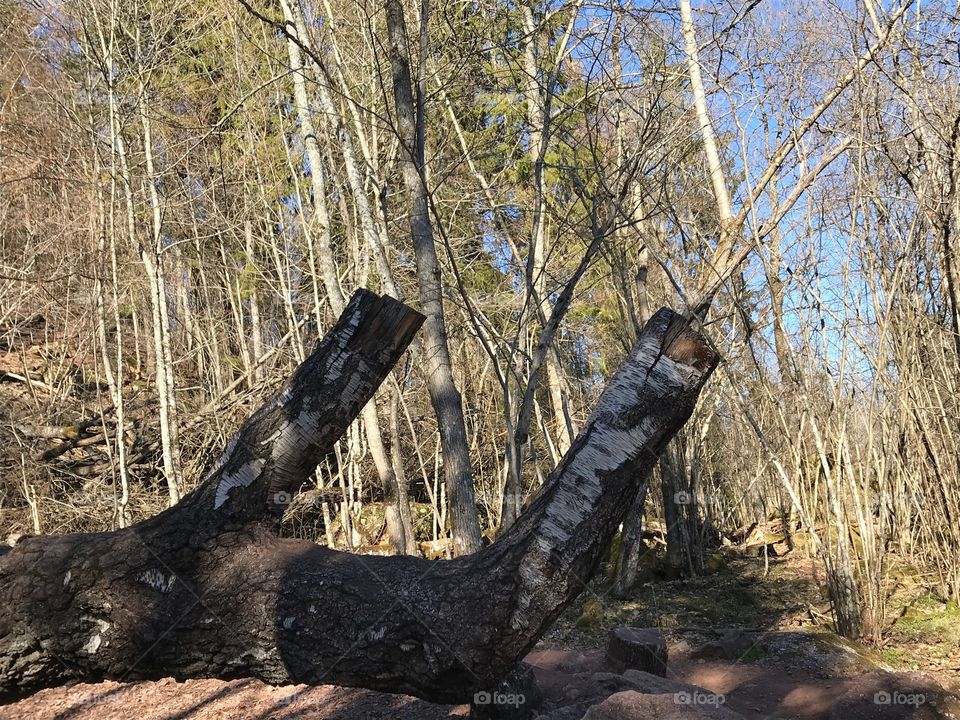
(684, 345)
(390, 322)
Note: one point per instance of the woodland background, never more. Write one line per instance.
(190, 190)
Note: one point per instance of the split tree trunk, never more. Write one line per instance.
(207, 589)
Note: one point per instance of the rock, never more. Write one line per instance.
(632, 705)
(436, 549)
(711, 650)
(655, 685)
(593, 689)
(823, 654)
(733, 645)
(884, 695)
(577, 662)
(637, 648)
(607, 683)
(600, 685)
(517, 697)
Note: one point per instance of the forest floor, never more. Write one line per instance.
(754, 632)
(757, 631)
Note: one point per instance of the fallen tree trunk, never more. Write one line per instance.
(207, 589)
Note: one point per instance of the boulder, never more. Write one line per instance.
(732, 645)
(592, 690)
(578, 662)
(651, 684)
(632, 705)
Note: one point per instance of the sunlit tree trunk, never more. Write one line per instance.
(446, 400)
(395, 497)
(153, 263)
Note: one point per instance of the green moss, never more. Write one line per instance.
(930, 620)
(903, 571)
(893, 656)
(717, 562)
(757, 652)
(591, 615)
(929, 602)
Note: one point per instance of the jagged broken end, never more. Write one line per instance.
(569, 525)
(274, 452)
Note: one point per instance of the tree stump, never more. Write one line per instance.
(637, 648)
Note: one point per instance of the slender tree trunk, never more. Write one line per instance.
(394, 496)
(403, 486)
(724, 247)
(842, 581)
(351, 164)
(169, 451)
(150, 253)
(256, 329)
(510, 501)
(447, 404)
(631, 544)
(212, 337)
(106, 225)
(538, 108)
(675, 499)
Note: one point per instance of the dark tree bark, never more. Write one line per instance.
(675, 499)
(208, 589)
(631, 544)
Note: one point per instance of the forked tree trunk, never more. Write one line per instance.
(207, 589)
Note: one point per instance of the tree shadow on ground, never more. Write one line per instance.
(748, 630)
(81, 706)
(341, 703)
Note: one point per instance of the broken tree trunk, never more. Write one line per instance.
(207, 589)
